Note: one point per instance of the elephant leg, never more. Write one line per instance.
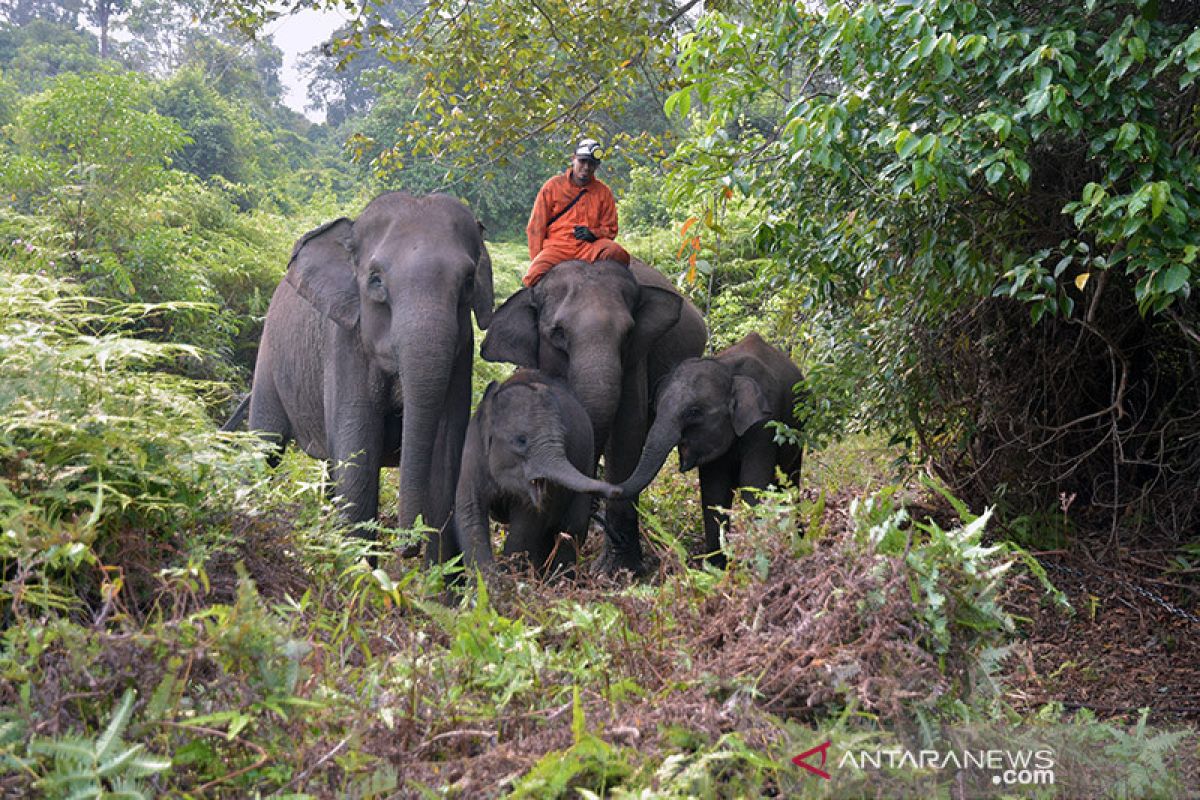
(471, 502)
(531, 534)
(354, 440)
(578, 518)
(624, 449)
(447, 461)
(267, 416)
(791, 459)
(357, 456)
(716, 492)
(759, 455)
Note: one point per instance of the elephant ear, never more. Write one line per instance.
(657, 312)
(483, 414)
(322, 271)
(512, 335)
(748, 404)
(483, 298)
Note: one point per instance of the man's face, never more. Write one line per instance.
(582, 170)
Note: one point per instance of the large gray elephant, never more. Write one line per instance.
(716, 410)
(527, 461)
(611, 332)
(368, 344)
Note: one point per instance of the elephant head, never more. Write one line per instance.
(702, 407)
(402, 278)
(590, 324)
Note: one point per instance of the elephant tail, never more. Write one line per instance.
(239, 415)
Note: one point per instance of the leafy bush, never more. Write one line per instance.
(923, 156)
(87, 147)
(96, 439)
(103, 767)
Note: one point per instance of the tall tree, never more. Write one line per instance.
(500, 78)
(23, 12)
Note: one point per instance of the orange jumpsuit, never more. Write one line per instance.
(596, 209)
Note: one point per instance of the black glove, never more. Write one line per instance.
(584, 234)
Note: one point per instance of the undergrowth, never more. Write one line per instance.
(180, 620)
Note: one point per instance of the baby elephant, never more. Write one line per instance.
(527, 462)
(715, 409)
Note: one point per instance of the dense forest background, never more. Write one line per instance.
(974, 225)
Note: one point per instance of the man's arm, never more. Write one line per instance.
(535, 231)
(606, 226)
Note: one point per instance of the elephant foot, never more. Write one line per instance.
(613, 562)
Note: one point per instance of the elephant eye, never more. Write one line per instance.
(558, 336)
(375, 288)
(693, 413)
(520, 441)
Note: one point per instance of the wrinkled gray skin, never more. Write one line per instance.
(368, 342)
(527, 461)
(716, 410)
(610, 332)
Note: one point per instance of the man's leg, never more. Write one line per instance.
(608, 250)
(552, 253)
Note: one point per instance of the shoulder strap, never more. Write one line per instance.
(566, 208)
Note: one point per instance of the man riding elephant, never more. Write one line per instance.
(574, 218)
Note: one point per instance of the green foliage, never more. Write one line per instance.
(932, 173)
(496, 83)
(104, 768)
(96, 438)
(86, 149)
(590, 762)
(940, 114)
(206, 118)
(36, 52)
(500, 193)
(1144, 754)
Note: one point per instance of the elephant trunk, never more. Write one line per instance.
(427, 367)
(662, 437)
(553, 466)
(595, 377)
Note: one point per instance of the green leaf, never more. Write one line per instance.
(995, 172)
(116, 726)
(1160, 195)
(905, 142)
(922, 172)
(1020, 168)
(1036, 102)
(1173, 279)
(1127, 136)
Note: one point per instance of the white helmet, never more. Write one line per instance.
(588, 148)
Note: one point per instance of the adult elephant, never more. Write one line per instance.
(611, 332)
(716, 410)
(368, 344)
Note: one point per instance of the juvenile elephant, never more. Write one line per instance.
(368, 343)
(716, 410)
(527, 461)
(610, 332)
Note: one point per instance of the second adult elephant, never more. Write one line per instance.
(716, 410)
(611, 332)
(368, 346)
